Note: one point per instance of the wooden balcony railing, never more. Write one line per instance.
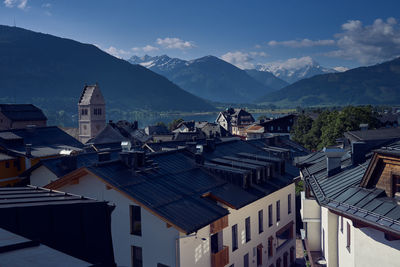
(221, 258)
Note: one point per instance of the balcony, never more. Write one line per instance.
(310, 210)
(220, 258)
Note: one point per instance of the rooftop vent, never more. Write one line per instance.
(358, 151)
(28, 150)
(126, 146)
(333, 160)
(364, 126)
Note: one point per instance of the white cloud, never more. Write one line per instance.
(46, 5)
(21, 4)
(368, 44)
(119, 53)
(302, 43)
(175, 43)
(258, 54)
(239, 59)
(146, 49)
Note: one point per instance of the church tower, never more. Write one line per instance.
(92, 112)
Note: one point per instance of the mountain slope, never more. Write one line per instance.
(294, 69)
(207, 77)
(36, 65)
(267, 78)
(378, 84)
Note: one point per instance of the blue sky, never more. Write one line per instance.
(334, 33)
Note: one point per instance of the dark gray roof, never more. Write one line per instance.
(118, 132)
(33, 196)
(377, 134)
(16, 250)
(45, 141)
(342, 192)
(22, 112)
(156, 129)
(174, 190)
(61, 166)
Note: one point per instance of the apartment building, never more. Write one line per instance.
(176, 208)
(350, 208)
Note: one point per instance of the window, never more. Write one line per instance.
(278, 262)
(136, 220)
(248, 234)
(234, 238)
(270, 215)
(7, 164)
(246, 260)
(136, 254)
(348, 237)
(289, 203)
(161, 265)
(278, 211)
(341, 224)
(270, 249)
(260, 222)
(84, 111)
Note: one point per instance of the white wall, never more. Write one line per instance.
(157, 241)
(238, 217)
(42, 176)
(329, 239)
(368, 247)
(194, 251)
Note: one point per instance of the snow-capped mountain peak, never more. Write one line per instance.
(294, 69)
(162, 62)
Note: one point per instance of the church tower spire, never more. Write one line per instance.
(92, 112)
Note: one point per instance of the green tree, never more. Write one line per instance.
(300, 128)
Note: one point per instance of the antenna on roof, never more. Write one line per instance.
(15, 25)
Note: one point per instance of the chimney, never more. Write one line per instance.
(283, 170)
(135, 125)
(126, 146)
(364, 126)
(358, 151)
(127, 159)
(140, 158)
(104, 156)
(28, 150)
(333, 160)
(69, 163)
(210, 145)
(199, 159)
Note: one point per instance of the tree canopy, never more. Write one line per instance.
(331, 125)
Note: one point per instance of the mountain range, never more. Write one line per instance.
(294, 69)
(40, 66)
(212, 78)
(378, 84)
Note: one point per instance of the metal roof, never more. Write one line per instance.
(34, 196)
(19, 251)
(376, 134)
(342, 192)
(22, 112)
(45, 141)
